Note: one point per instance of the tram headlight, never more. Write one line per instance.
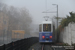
(43, 37)
(50, 37)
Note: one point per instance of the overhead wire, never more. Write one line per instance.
(46, 17)
(46, 9)
(46, 6)
(51, 8)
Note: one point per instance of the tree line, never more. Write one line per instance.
(69, 18)
(18, 18)
(64, 22)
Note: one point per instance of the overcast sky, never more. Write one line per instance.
(36, 7)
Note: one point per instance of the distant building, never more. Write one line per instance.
(18, 34)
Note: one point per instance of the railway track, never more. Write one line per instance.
(46, 47)
(39, 46)
(42, 46)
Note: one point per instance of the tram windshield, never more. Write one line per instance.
(47, 27)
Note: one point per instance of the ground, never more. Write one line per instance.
(38, 46)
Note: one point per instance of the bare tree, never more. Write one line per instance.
(19, 18)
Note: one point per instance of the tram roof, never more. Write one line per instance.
(47, 22)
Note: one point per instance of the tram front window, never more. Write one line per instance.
(47, 27)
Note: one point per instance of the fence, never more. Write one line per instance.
(23, 44)
(68, 34)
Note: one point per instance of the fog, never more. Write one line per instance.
(27, 14)
(14, 19)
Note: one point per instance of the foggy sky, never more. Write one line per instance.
(36, 7)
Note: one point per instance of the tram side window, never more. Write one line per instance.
(47, 27)
(40, 28)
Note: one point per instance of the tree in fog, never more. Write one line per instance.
(19, 18)
(64, 22)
